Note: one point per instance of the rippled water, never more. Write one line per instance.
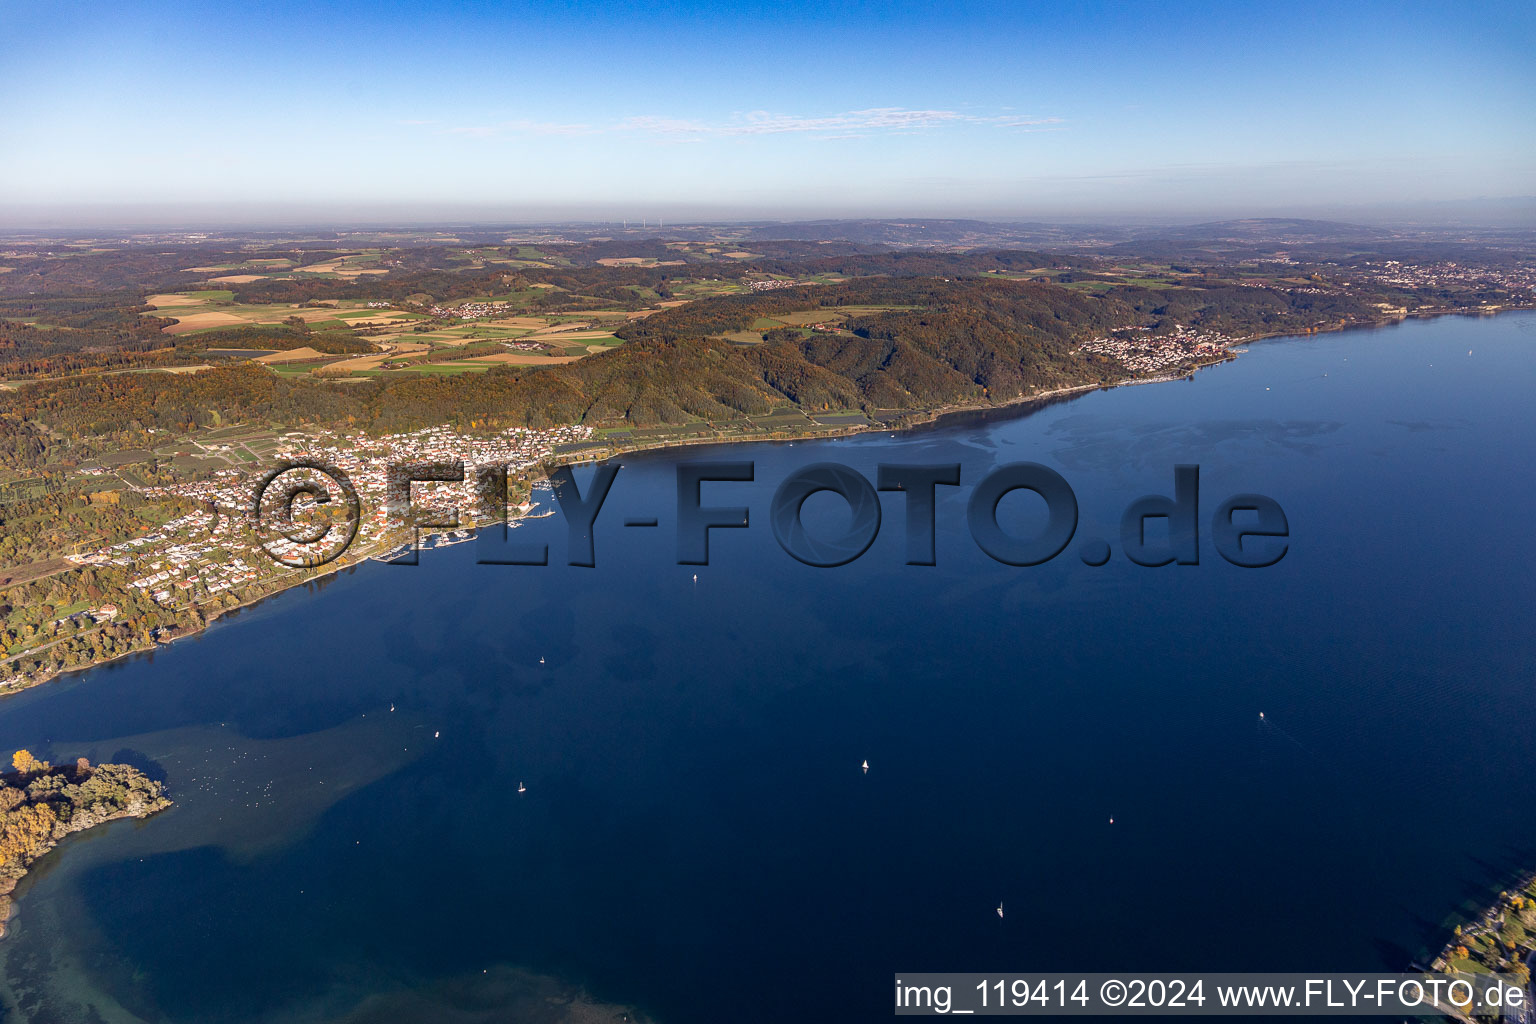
(697, 840)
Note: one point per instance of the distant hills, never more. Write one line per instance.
(1511, 221)
(1268, 229)
(946, 233)
(931, 232)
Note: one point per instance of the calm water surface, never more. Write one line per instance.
(696, 833)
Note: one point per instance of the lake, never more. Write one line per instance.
(698, 840)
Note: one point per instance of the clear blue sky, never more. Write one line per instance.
(689, 110)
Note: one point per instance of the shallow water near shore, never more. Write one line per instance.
(698, 840)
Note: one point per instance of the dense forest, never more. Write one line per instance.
(83, 311)
(971, 339)
(916, 329)
(957, 341)
(96, 331)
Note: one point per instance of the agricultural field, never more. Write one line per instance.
(363, 263)
(414, 340)
(343, 266)
(212, 309)
(807, 322)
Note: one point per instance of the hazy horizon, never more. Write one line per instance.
(1513, 212)
(172, 112)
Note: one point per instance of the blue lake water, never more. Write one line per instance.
(697, 841)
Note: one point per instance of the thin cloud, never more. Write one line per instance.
(847, 125)
(761, 122)
(662, 125)
(523, 127)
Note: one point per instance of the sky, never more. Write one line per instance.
(331, 110)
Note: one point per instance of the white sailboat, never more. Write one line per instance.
(522, 788)
(865, 766)
(999, 909)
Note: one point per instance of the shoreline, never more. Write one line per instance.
(909, 420)
(213, 616)
(1476, 943)
(116, 792)
(925, 417)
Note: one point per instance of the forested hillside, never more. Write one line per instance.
(965, 342)
(905, 344)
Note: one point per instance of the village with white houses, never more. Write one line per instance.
(215, 549)
(212, 556)
(1140, 351)
(1450, 274)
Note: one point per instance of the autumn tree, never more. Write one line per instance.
(25, 834)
